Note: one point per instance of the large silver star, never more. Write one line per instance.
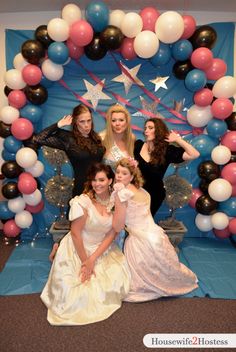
(159, 82)
(130, 79)
(94, 93)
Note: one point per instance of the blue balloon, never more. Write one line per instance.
(204, 144)
(31, 112)
(228, 207)
(182, 50)
(195, 80)
(58, 53)
(8, 156)
(216, 128)
(12, 144)
(5, 212)
(97, 14)
(162, 56)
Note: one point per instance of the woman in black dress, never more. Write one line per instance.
(156, 153)
(82, 144)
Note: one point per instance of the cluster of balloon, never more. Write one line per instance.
(147, 35)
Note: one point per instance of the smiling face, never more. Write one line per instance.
(101, 183)
(149, 131)
(118, 122)
(84, 123)
(123, 175)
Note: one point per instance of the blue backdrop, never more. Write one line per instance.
(68, 92)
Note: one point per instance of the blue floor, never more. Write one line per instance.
(214, 262)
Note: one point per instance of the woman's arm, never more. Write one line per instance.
(119, 214)
(190, 152)
(77, 226)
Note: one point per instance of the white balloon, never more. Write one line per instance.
(131, 24)
(116, 18)
(26, 157)
(224, 87)
(146, 44)
(71, 13)
(36, 170)
(58, 29)
(33, 198)
(16, 205)
(203, 222)
(52, 71)
(221, 154)
(219, 221)
(13, 79)
(8, 114)
(199, 116)
(169, 27)
(24, 219)
(220, 189)
(19, 62)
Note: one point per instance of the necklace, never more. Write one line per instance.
(104, 202)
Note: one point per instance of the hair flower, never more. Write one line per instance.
(133, 162)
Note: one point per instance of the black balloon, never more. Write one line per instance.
(203, 185)
(95, 50)
(11, 169)
(111, 37)
(206, 205)
(36, 94)
(231, 121)
(32, 51)
(10, 190)
(7, 90)
(204, 36)
(41, 34)
(232, 158)
(208, 170)
(5, 130)
(182, 68)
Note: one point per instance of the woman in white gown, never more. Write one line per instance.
(89, 276)
(154, 265)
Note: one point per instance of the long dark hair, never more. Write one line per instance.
(91, 174)
(158, 153)
(94, 141)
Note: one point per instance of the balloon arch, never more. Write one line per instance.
(149, 34)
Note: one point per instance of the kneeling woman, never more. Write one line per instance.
(89, 277)
(154, 265)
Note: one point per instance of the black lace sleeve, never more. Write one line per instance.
(53, 137)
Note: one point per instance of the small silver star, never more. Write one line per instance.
(94, 93)
(159, 82)
(128, 81)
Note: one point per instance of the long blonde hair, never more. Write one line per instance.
(128, 138)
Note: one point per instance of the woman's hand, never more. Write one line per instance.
(172, 137)
(54, 251)
(87, 269)
(65, 121)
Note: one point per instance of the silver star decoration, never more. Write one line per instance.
(159, 82)
(150, 107)
(94, 93)
(179, 105)
(123, 78)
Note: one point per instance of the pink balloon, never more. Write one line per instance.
(202, 58)
(189, 26)
(225, 233)
(149, 16)
(81, 33)
(232, 226)
(222, 108)
(233, 190)
(17, 99)
(35, 208)
(26, 183)
(22, 128)
(229, 140)
(217, 69)
(31, 74)
(10, 229)
(127, 49)
(75, 52)
(203, 97)
(229, 173)
(196, 193)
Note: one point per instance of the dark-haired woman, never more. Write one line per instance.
(156, 153)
